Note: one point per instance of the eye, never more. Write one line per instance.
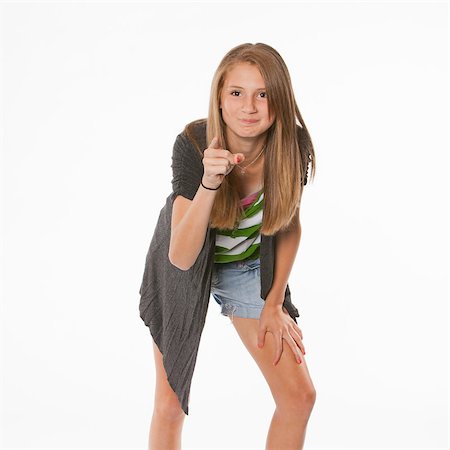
(232, 92)
(264, 94)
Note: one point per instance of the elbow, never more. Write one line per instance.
(174, 258)
(179, 264)
(293, 227)
(179, 256)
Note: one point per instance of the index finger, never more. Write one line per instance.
(233, 158)
(214, 143)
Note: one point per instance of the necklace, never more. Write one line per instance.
(243, 169)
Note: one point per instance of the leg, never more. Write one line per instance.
(289, 382)
(168, 417)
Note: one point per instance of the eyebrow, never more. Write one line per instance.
(240, 87)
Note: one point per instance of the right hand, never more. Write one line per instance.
(218, 163)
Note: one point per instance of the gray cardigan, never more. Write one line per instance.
(174, 302)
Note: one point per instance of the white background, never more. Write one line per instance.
(93, 97)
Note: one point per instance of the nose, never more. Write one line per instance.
(248, 105)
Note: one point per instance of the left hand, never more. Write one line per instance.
(275, 319)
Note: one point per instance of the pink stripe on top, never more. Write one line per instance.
(249, 199)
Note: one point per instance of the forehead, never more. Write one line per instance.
(245, 75)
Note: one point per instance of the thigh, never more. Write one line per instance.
(287, 379)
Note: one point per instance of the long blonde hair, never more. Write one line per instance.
(288, 151)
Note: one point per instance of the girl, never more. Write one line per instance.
(247, 158)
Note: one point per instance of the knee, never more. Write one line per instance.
(299, 401)
(311, 397)
(304, 399)
(168, 409)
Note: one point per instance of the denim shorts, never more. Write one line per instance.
(236, 287)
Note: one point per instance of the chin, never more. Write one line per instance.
(247, 131)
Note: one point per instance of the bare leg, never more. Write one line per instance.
(290, 384)
(168, 417)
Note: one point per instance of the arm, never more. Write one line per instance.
(287, 243)
(190, 219)
(274, 318)
(192, 207)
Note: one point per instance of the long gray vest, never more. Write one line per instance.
(174, 302)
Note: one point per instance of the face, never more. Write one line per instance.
(244, 102)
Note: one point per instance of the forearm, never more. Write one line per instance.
(287, 244)
(188, 236)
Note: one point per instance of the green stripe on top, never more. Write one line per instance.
(244, 240)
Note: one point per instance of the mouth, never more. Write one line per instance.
(249, 121)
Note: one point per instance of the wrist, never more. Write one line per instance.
(273, 308)
(277, 291)
(210, 186)
(275, 298)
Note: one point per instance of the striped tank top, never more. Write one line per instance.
(244, 240)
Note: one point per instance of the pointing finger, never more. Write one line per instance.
(214, 143)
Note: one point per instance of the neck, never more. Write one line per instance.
(250, 147)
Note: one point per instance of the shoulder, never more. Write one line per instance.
(304, 142)
(303, 136)
(306, 150)
(188, 150)
(194, 133)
